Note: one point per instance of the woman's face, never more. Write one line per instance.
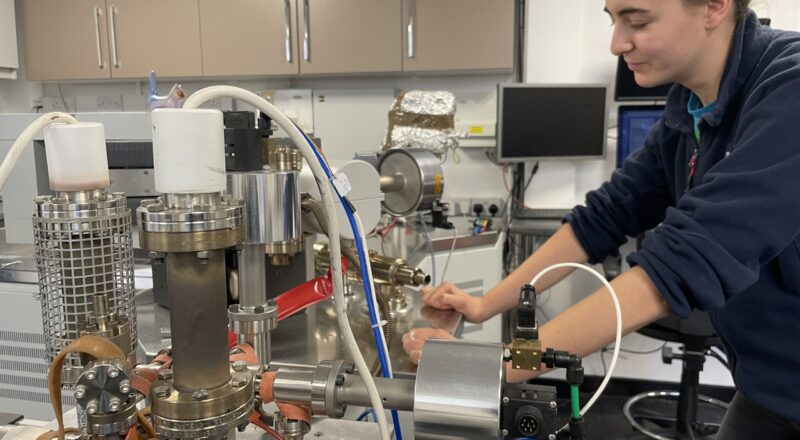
(660, 40)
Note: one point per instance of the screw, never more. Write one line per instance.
(238, 382)
(114, 406)
(551, 437)
(113, 372)
(203, 255)
(161, 392)
(239, 366)
(339, 380)
(165, 374)
(200, 395)
(125, 387)
(91, 374)
(505, 399)
(91, 409)
(505, 433)
(80, 392)
(553, 404)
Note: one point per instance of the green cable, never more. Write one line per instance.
(576, 404)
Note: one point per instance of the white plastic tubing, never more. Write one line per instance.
(206, 94)
(26, 137)
(618, 336)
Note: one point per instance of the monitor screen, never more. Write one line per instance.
(627, 90)
(550, 122)
(633, 125)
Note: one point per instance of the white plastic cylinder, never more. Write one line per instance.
(188, 151)
(76, 156)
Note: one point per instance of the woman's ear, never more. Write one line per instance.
(718, 11)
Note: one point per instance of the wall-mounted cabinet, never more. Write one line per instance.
(349, 36)
(93, 39)
(98, 39)
(446, 35)
(9, 57)
(249, 37)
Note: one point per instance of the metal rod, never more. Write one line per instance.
(252, 276)
(199, 321)
(391, 184)
(396, 393)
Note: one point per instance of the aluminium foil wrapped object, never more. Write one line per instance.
(422, 119)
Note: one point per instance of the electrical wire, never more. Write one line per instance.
(449, 255)
(576, 402)
(323, 177)
(711, 352)
(430, 249)
(26, 137)
(618, 336)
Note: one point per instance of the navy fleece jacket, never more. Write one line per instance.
(729, 243)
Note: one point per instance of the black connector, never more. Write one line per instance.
(524, 325)
(564, 359)
(577, 428)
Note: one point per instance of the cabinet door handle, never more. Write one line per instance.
(287, 9)
(112, 24)
(97, 17)
(306, 32)
(412, 11)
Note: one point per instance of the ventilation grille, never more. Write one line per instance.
(33, 396)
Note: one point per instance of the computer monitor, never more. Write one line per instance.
(627, 90)
(537, 122)
(634, 123)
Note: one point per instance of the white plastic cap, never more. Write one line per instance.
(76, 156)
(188, 151)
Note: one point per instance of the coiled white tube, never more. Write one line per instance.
(618, 337)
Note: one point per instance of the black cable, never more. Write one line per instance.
(717, 356)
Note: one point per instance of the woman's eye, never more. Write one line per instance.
(638, 25)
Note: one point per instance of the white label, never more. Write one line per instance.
(341, 183)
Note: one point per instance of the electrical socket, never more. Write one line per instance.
(51, 104)
(486, 203)
(109, 103)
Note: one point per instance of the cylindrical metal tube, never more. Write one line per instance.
(251, 187)
(252, 276)
(293, 385)
(390, 184)
(283, 206)
(197, 306)
(395, 393)
(458, 390)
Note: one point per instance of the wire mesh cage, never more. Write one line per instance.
(82, 249)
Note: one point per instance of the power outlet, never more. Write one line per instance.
(51, 104)
(109, 103)
(487, 203)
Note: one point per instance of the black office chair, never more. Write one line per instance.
(697, 335)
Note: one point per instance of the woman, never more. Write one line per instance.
(717, 185)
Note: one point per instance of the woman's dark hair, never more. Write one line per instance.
(741, 7)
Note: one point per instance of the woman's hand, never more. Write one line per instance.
(415, 339)
(446, 296)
